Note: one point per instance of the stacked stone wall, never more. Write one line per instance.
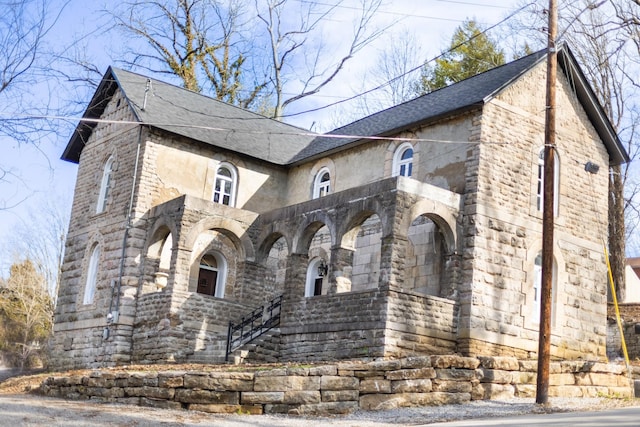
(79, 328)
(193, 329)
(420, 325)
(503, 229)
(341, 387)
(630, 318)
(338, 326)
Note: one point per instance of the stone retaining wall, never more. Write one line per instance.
(339, 387)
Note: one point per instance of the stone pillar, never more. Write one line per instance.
(181, 260)
(392, 256)
(341, 265)
(252, 286)
(450, 276)
(296, 275)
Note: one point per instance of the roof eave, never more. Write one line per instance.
(595, 112)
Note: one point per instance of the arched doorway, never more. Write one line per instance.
(211, 275)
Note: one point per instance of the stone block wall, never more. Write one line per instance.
(338, 388)
(193, 329)
(630, 317)
(503, 229)
(340, 326)
(419, 324)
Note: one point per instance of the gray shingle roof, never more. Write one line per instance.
(194, 116)
(213, 122)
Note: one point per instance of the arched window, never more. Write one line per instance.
(224, 190)
(403, 160)
(92, 277)
(322, 183)
(212, 275)
(537, 289)
(540, 182)
(105, 185)
(316, 272)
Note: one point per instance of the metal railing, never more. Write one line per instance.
(254, 325)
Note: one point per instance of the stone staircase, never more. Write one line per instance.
(264, 349)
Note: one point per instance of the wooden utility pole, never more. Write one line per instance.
(544, 341)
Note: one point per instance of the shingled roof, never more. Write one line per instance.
(207, 120)
(194, 116)
(464, 96)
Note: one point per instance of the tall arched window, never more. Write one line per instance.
(92, 277)
(403, 160)
(212, 275)
(226, 181)
(537, 289)
(540, 182)
(322, 183)
(105, 185)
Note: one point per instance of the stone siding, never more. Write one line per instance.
(341, 387)
(503, 229)
(420, 324)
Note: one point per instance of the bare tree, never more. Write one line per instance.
(196, 40)
(26, 313)
(296, 51)
(40, 238)
(395, 75)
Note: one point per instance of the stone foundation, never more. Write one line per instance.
(341, 387)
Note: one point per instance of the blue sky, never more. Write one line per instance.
(40, 174)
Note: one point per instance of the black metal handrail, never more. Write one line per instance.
(252, 326)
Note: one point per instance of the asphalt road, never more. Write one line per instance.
(620, 417)
(28, 410)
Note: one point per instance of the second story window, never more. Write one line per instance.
(403, 160)
(105, 186)
(225, 185)
(322, 183)
(540, 182)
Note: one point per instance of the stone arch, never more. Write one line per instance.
(230, 228)
(431, 245)
(363, 240)
(273, 254)
(441, 216)
(159, 251)
(309, 227)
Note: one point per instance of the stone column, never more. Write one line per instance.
(450, 276)
(296, 275)
(340, 267)
(392, 256)
(181, 260)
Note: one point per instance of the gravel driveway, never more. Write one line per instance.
(29, 410)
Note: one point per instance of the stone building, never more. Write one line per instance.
(416, 230)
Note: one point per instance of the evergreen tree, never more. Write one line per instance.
(471, 52)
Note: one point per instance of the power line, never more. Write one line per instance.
(511, 15)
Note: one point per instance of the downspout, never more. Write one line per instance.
(113, 315)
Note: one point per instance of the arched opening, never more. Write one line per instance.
(317, 270)
(276, 268)
(425, 257)
(211, 275)
(316, 277)
(366, 257)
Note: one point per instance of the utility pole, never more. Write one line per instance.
(544, 340)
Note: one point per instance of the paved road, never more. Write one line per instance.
(29, 410)
(621, 417)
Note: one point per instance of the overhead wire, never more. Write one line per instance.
(414, 69)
